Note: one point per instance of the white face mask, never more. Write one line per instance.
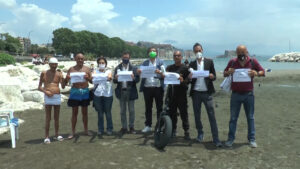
(198, 55)
(101, 66)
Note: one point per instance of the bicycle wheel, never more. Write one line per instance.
(162, 134)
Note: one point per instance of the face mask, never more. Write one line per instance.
(125, 61)
(242, 57)
(198, 55)
(101, 66)
(152, 55)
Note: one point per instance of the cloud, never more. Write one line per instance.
(7, 3)
(92, 14)
(29, 19)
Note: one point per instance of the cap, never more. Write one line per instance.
(53, 60)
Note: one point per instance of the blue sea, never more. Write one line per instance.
(221, 63)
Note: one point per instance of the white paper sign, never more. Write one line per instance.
(99, 78)
(148, 71)
(241, 75)
(171, 78)
(124, 76)
(200, 73)
(77, 77)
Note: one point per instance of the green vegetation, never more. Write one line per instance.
(6, 59)
(30, 66)
(10, 44)
(61, 66)
(65, 41)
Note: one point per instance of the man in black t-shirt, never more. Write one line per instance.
(177, 95)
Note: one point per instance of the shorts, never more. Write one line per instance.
(54, 100)
(79, 97)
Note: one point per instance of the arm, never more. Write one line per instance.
(62, 81)
(229, 70)
(136, 75)
(40, 88)
(66, 80)
(115, 79)
(212, 72)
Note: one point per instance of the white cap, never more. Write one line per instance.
(53, 60)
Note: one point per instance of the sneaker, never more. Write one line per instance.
(218, 144)
(99, 133)
(199, 138)
(147, 129)
(252, 144)
(187, 135)
(109, 133)
(123, 131)
(229, 143)
(132, 131)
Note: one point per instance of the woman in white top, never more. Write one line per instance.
(103, 95)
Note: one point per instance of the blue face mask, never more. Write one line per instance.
(125, 61)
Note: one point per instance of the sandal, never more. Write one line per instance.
(59, 138)
(47, 141)
(70, 136)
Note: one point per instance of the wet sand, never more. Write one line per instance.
(277, 119)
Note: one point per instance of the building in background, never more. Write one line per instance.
(25, 43)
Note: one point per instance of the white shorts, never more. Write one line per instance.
(54, 100)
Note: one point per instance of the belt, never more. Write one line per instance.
(124, 89)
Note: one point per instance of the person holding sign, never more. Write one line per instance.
(51, 79)
(103, 95)
(242, 91)
(79, 76)
(177, 94)
(202, 76)
(126, 91)
(152, 86)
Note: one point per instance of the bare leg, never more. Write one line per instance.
(56, 119)
(48, 118)
(74, 120)
(84, 111)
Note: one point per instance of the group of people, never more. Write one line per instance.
(153, 89)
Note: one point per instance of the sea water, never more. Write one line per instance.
(221, 63)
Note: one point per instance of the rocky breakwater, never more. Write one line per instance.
(19, 84)
(286, 57)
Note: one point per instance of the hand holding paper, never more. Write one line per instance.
(77, 77)
(171, 78)
(148, 71)
(124, 76)
(241, 75)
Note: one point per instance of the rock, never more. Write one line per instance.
(21, 106)
(35, 96)
(286, 57)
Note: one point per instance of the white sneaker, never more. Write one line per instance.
(147, 129)
(252, 144)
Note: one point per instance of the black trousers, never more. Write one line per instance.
(179, 101)
(150, 94)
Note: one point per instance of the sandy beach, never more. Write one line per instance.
(277, 119)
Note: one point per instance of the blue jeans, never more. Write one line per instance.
(103, 106)
(237, 99)
(198, 98)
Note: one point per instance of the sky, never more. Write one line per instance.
(266, 27)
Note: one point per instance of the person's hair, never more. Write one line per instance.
(197, 44)
(102, 58)
(126, 53)
(148, 50)
(78, 54)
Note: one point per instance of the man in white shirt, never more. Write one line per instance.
(201, 90)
